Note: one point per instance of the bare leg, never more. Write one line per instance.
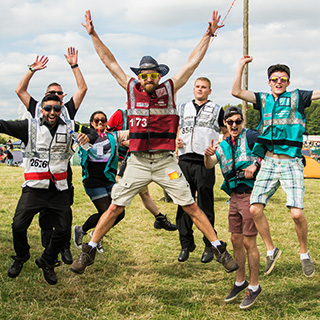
(239, 255)
(262, 224)
(301, 226)
(250, 244)
(106, 222)
(149, 203)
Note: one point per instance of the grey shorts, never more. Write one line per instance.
(144, 168)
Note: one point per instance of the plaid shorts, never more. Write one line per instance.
(275, 172)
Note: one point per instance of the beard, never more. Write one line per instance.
(149, 87)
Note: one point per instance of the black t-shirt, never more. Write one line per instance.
(9, 154)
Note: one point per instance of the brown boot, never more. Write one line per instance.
(224, 257)
(86, 258)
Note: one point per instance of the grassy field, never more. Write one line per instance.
(139, 277)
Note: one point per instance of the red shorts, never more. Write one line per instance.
(240, 218)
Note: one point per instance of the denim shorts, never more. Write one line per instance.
(98, 193)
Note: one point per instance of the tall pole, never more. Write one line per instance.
(245, 52)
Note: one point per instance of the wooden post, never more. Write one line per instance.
(245, 52)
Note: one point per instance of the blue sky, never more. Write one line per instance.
(284, 31)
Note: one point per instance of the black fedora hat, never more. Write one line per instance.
(148, 63)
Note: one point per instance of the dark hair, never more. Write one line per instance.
(53, 84)
(50, 97)
(278, 67)
(230, 111)
(204, 79)
(92, 116)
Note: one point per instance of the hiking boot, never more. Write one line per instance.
(78, 236)
(99, 244)
(224, 257)
(307, 267)
(86, 258)
(207, 255)
(184, 253)
(271, 261)
(235, 290)
(163, 223)
(16, 265)
(66, 255)
(48, 270)
(250, 298)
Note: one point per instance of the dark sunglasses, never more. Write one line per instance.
(103, 120)
(59, 93)
(49, 107)
(230, 122)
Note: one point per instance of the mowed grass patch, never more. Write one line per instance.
(139, 277)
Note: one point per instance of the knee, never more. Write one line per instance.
(256, 210)
(237, 240)
(297, 215)
(250, 243)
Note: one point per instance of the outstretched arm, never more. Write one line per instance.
(197, 54)
(237, 91)
(22, 87)
(72, 59)
(105, 54)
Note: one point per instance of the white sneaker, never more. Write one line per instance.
(99, 245)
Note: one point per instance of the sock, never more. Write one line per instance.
(216, 243)
(92, 244)
(253, 288)
(270, 252)
(239, 284)
(304, 256)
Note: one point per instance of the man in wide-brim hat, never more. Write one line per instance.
(153, 123)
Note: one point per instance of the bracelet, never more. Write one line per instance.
(257, 164)
(31, 69)
(74, 66)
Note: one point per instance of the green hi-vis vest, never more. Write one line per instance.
(122, 150)
(281, 127)
(110, 169)
(243, 159)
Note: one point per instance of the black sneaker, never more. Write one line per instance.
(66, 255)
(271, 261)
(163, 223)
(85, 259)
(48, 270)
(224, 257)
(250, 298)
(235, 290)
(16, 265)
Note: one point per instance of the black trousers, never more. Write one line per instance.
(45, 218)
(201, 180)
(31, 202)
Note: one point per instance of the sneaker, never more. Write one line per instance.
(235, 290)
(86, 258)
(308, 267)
(99, 244)
(48, 270)
(163, 223)
(16, 265)
(250, 298)
(224, 257)
(271, 261)
(78, 236)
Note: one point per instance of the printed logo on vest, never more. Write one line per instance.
(161, 92)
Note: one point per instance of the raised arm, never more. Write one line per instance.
(22, 87)
(72, 59)
(237, 91)
(105, 54)
(197, 54)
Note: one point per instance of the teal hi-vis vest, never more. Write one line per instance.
(122, 150)
(110, 169)
(243, 158)
(281, 125)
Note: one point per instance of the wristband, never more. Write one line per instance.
(31, 69)
(74, 66)
(257, 164)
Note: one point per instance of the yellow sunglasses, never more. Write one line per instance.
(282, 79)
(145, 76)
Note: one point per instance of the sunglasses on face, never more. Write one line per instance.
(49, 107)
(276, 79)
(59, 93)
(103, 120)
(145, 76)
(230, 122)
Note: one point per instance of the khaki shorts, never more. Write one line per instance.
(144, 168)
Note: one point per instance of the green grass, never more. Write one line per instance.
(139, 277)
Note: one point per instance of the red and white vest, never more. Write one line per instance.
(45, 157)
(153, 119)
